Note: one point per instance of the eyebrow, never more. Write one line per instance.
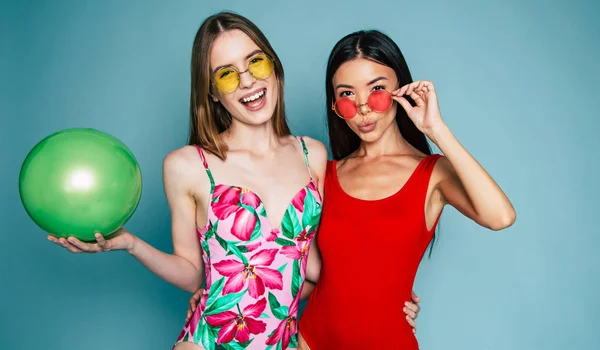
(369, 83)
(255, 52)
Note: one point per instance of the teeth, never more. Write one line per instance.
(254, 97)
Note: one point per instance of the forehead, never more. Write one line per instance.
(231, 47)
(360, 71)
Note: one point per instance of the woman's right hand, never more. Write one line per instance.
(119, 240)
(194, 301)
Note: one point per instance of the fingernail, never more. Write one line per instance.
(408, 318)
(404, 309)
(406, 303)
(71, 240)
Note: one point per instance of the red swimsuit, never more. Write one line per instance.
(374, 244)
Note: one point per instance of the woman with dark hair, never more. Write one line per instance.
(385, 194)
(244, 195)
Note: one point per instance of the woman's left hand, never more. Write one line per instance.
(426, 114)
(412, 309)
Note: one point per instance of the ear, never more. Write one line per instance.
(214, 98)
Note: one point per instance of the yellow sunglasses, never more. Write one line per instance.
(227, 79)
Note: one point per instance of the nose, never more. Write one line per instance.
(246, 79)
(364, 109)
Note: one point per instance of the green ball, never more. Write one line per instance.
(80, 181)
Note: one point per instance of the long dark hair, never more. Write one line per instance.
(207, 118)
(376, 46)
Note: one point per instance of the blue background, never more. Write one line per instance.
(517, 83)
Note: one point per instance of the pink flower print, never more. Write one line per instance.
(192, 324)
(229, 203)
(305, 236)
(255, 274)
(271, 236)
(239, 326)
(298, 201)
(253, 246)
(297, 252)
(286, 328)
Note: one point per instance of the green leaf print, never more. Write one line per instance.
(264, 315)
(273, 302)
(205, 247)
(278, 345)
(257, 229)
(296, 278)
(211, 231)
(242, 248)
(237, 253)
(234, 345)
(245, 344)
(293, 342)
(285, 310)
(222, 242)
(224, 303)
(263, 212)
(214, 334)
(207, 339)
(282, 268)
(290, 226)
(280, 312)
(230, 247)
(284, 242)
(215, 291)
(311, 216)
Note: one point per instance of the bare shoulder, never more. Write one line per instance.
(442, 171)
(182, 167)
(315, 148)
(317, 156)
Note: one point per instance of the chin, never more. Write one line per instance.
(369, 136)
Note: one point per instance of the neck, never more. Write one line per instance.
(258, 139)
(391, 142)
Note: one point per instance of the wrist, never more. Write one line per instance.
(132, 244)
(438, 133)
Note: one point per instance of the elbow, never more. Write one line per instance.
(503, 221)
(193, 286)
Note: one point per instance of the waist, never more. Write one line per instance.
(359, 318)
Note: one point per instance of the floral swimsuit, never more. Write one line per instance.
(254, 272)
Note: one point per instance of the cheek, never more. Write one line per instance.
(273, 88)
(228, 101)
(390, 114)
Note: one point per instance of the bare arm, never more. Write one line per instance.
(468, 187)
(184, 268)
(463, 183)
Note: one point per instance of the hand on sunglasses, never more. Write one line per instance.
(426, 114)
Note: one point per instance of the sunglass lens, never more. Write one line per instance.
(345, 108)
(380, 101)
(227, 80)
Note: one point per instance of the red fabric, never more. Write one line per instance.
(371, 251)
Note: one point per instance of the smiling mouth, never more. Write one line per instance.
(254, 98)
